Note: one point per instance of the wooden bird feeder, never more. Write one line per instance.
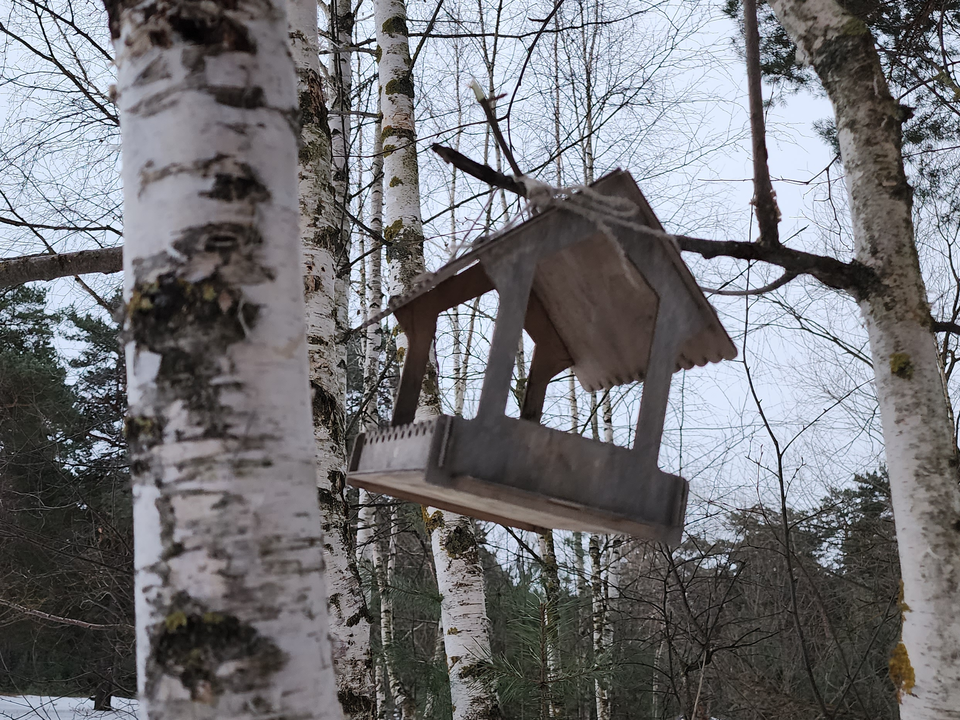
(615, 305)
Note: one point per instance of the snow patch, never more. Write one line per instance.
(29, 707)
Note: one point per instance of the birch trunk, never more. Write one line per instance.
(551, 591)
(374, 339)
(463, 614)
(386, 562)
(601, 623)
(325, 312)
(456, 553)
(403, 231)
(341, 17)
(920, 448)
(231, 619)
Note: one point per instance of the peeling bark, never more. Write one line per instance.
(918, 435)
(230, 596)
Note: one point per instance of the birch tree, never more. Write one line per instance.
(230, 594)
(456, 554)
(323, 239)
(918, 435)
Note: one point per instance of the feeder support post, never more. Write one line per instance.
(678, 318)
(420, 325)
(512, 275)
(656, 386)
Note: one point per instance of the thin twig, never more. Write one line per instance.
(60, 619)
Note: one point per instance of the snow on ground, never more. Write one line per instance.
(31, 707)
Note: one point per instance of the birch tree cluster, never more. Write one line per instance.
(174, 527)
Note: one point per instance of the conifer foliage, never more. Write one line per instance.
(66, 541)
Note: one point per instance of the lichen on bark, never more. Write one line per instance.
(210, 652)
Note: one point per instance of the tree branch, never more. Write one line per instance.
(59, 619)
(946, 326)
(50, 266)
(852, 277)
(778, 283)
(480, 171)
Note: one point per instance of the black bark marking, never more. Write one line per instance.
(175, 307)
(328, 413)
(461, 543)
(144, 431)
(241, 96)
(345, 22)
(242, 186)
(196, 24)
(181, 321)
(238, 246)
(354, 704)
(207, 25)
(157, 70)
(397, 25)
(402, 85)
(394, 132)
(193, 644)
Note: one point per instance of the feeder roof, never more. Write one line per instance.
(598, 302)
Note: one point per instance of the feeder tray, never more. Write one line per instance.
(615, 304)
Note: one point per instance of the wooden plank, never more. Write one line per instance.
(522, 473)
(603, 309)
(513, 278)
(419, 328)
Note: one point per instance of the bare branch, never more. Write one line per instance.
(481, 172)
(946, 326)
(59, 619)
(69, 228)
(852, 277)
(50, 266)
(778, 283)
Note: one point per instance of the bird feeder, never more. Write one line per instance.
(615, 303)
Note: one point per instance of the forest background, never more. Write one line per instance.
(784, 596)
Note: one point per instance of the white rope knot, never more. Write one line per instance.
(539, 194)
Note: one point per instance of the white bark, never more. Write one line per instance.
(374, 339)
(231, 617)
(463, 614)
(551, 590)
(386, 562)
(403, 232)
(602, 625)
(322, 246)
(456, 554)
(920, 450)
